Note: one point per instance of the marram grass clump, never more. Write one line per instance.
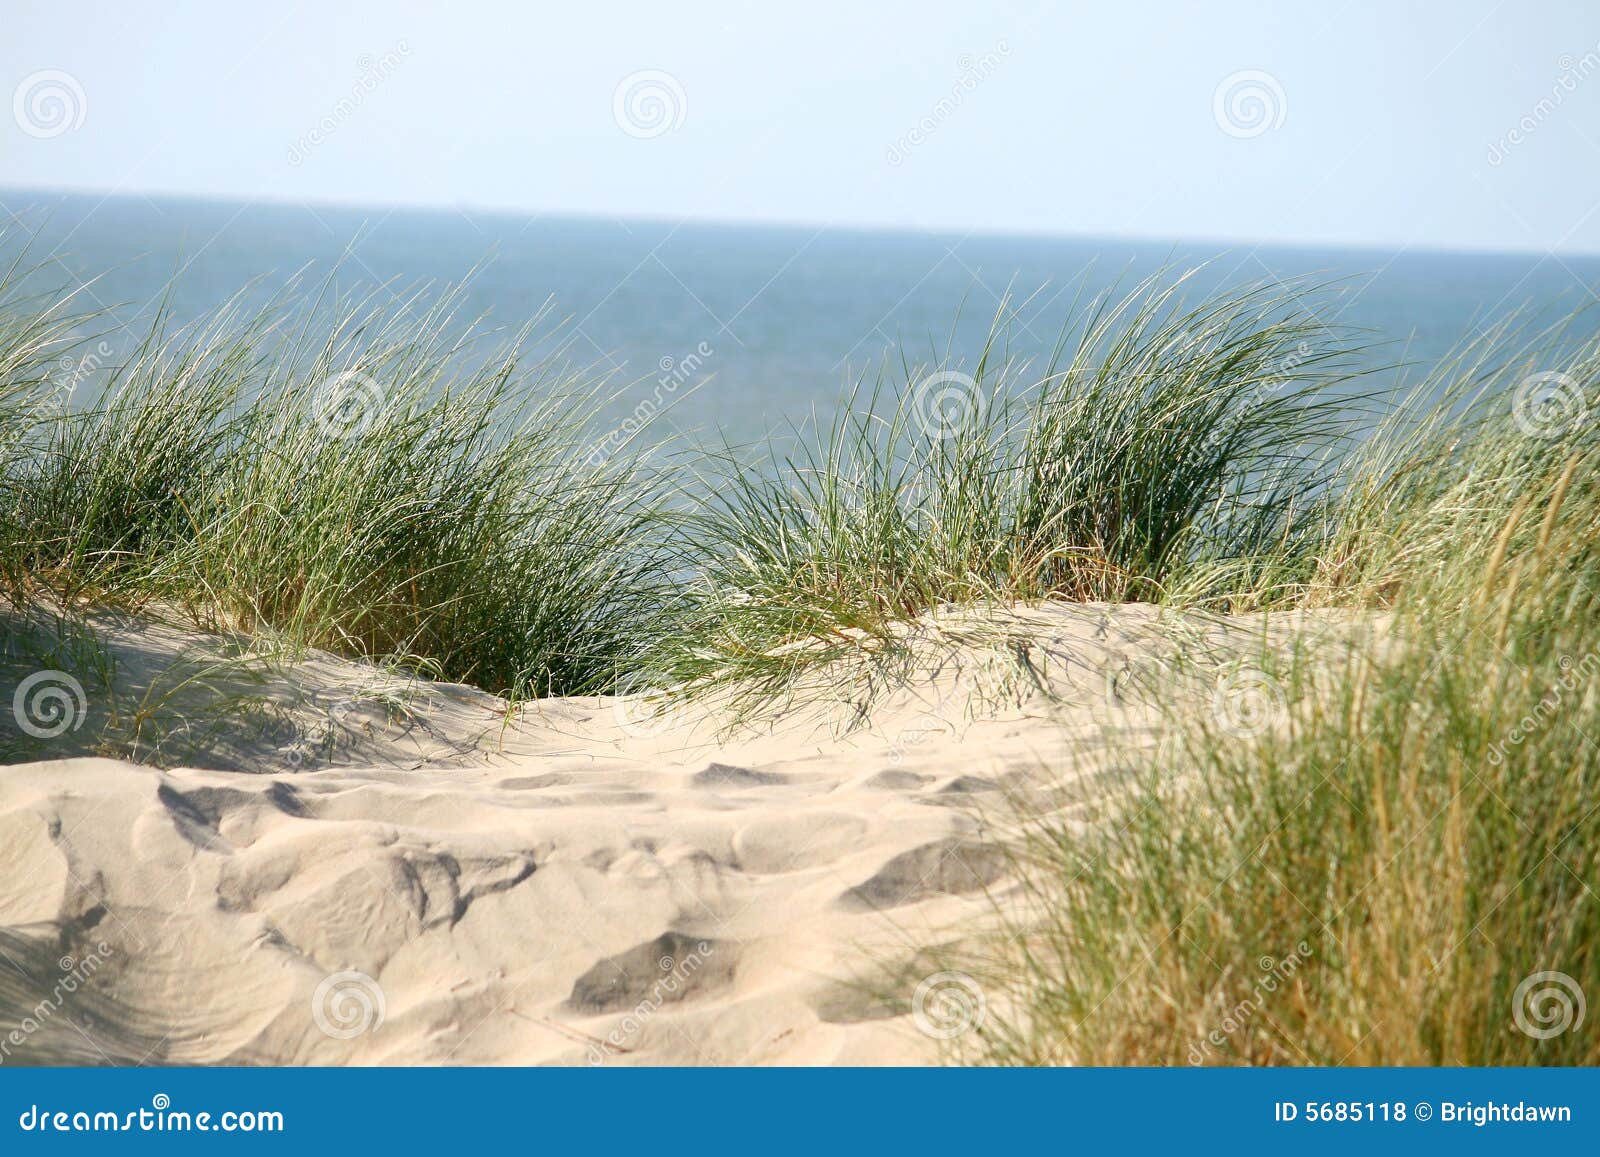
(370, 479)
(1167, 450)
(1401, 871)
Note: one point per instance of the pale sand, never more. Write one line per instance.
(592, 881)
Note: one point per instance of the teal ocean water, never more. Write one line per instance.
(767, 323)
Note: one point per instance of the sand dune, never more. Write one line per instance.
(593, 881)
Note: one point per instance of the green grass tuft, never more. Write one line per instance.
(395, 486)
(1383, 878)
(1167, 450)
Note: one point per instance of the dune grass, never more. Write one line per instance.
(39, 331)
(1167, 449)
(1394, 874)
(373, 479)
(382, 481)
(1405, 870)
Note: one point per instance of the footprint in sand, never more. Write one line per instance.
(948, 867)
(671, 968)
(725, 775)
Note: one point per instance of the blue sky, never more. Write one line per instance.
(1469, 124)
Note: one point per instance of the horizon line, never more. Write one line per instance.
(468, 210)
